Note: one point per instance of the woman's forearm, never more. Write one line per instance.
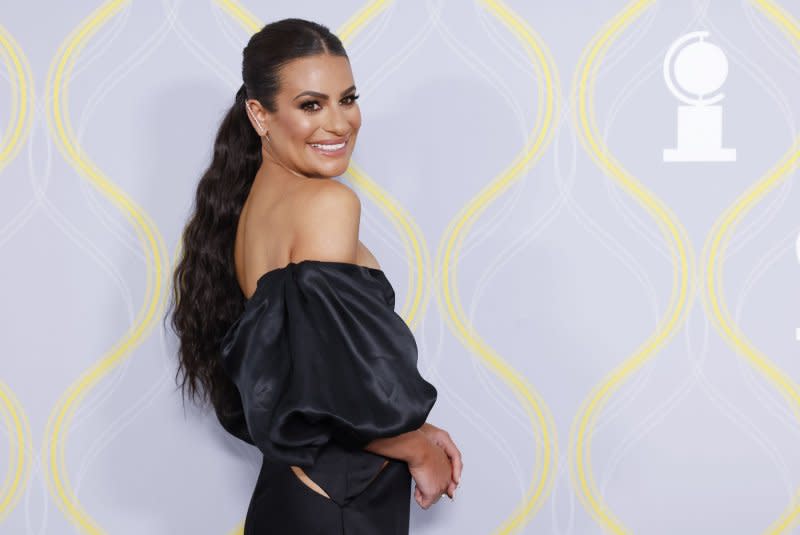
(410, 447)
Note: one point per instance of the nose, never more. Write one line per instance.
(337, 121)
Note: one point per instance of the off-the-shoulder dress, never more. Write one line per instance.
(324, 365)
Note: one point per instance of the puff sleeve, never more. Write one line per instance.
(320, 355)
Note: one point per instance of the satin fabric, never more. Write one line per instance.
(283, 505)
(324, 365)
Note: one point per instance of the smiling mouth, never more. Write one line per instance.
(330, 149)
(329, 146)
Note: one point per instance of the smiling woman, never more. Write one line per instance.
(304, 122)
(285, 319)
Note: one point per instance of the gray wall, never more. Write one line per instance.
(612, 335)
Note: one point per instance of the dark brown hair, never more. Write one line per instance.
(206, 297)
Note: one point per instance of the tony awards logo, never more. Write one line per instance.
(693, 70)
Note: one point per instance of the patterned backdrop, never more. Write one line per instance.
(587, 210)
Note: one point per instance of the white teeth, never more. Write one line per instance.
(328, 147)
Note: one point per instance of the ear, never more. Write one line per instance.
(257, 116)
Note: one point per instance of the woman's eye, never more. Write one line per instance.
(307, 106)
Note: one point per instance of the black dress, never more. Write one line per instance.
(324, 365)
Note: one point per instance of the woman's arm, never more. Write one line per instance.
(414, 448)
(429, 465)
(410, 447)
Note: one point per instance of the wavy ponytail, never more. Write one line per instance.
(206, 297)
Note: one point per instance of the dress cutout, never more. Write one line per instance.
(324, 365)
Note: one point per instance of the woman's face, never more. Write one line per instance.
(316, 105)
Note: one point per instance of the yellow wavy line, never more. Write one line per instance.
(412, 236)
(418, 293)
(413, 240)
(14, 415)
(680, 249)
(714, 249)
(536, 409)
(20, 119)
(20, 436)
(152, 244)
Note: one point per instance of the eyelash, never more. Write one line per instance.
(307, 110)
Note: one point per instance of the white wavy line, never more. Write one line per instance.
(380, 226)
(618, 403)
(780, 48)
(37, 109)
(736, 416)
(656, 416)
(458, 402)
(97, 47)
(371, 34)
(751, 229)
(229, 27)
(767, 397)
(127, 238)
(778, 98)
(14, 226)
(622, 47)
(112, 222)
(565, 183)
(636, 384)
(231, 79)
(562, 474)
(636, 223)
(104, 389)
(512, 247)
(478, 236)
(98, 204)
(764, 396)
(82, 242)
(762, 79)
(394, 62)
(506, 43)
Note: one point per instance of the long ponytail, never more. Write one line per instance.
(206, 297)
(205, 293)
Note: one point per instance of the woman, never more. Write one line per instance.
(285, 319)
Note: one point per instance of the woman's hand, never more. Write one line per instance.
(441, 438)
(431, 470)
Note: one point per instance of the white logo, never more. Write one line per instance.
(699, 68)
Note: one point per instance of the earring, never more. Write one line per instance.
(261, 126)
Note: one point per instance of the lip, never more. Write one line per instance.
(339, 152)
(333, 141)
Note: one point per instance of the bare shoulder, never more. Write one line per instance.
(325, 222)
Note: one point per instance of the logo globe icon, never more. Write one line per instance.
(699, 68)
(694, 71)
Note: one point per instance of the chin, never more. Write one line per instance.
(336, 169)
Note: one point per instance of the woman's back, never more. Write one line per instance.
(276, 217)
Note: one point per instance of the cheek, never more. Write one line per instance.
(302, 128)
(355, 120)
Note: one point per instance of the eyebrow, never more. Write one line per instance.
(323, 95)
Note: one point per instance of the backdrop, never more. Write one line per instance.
(587, 210)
